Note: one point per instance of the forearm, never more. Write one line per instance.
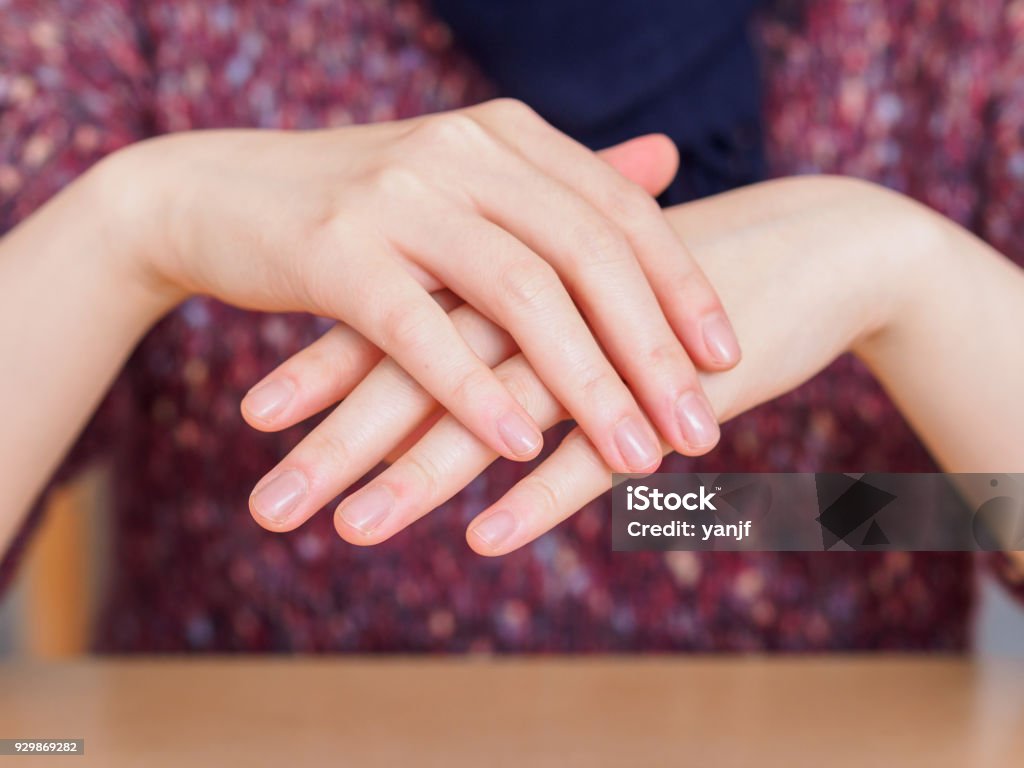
(800, 271)
(952, 359)
(71, 314)
(934, 312)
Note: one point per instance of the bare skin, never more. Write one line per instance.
(363, 224)
(808, 268)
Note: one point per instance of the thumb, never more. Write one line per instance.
(650, 161)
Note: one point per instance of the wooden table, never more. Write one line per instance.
(732, 711)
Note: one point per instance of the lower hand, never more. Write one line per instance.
(797, 300)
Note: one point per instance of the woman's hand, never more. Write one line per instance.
(773, 287)
(361, 224)
(809, 268)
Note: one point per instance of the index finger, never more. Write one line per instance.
(687, 298)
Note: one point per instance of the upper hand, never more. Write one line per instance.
(535, 232)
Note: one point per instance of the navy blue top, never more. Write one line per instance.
(607, 70)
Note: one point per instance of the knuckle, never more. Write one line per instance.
(679, 282)
(469, 385)
(689, 286)
(423, 474)
(511, 109)
(525, 284)
(599, 388)
(331, 227)
(664, 354)
(600, 246)
(337, 353)
(630, 204)
(451, 130)
(545, 497)
(402, 327)
(488, 341)
(470, 323)
(334, 223)
(327, 447)
(518, 387)
(393, 180)
(318, 364)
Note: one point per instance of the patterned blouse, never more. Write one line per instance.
(922, 96)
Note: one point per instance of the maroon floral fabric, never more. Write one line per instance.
(922, 96)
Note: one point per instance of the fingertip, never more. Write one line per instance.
(256, 424)
(352, 535)
(491, 533)
(267, 524)
(656, 163)
(655, 466)
(277, 500)
(652, 161)
(637, 450)
(264, 404)
(698, 424)
(260, 520)
(720, 341)
(692, 451)
(667, 155)
(521, 438)
(479, 547)
(360, 518)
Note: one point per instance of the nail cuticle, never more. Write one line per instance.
(268, 399)
(495, 529)
(366, 510)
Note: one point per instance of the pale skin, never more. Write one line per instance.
(362, 224)
(808, 268)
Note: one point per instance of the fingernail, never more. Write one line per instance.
(519, 435)
(636, 445)
(496, 528)
(367, 509)
(267, 400)
(278, 497)
(697, 421)
(720, 339)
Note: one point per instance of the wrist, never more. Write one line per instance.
(914, 248)
(129, 228)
